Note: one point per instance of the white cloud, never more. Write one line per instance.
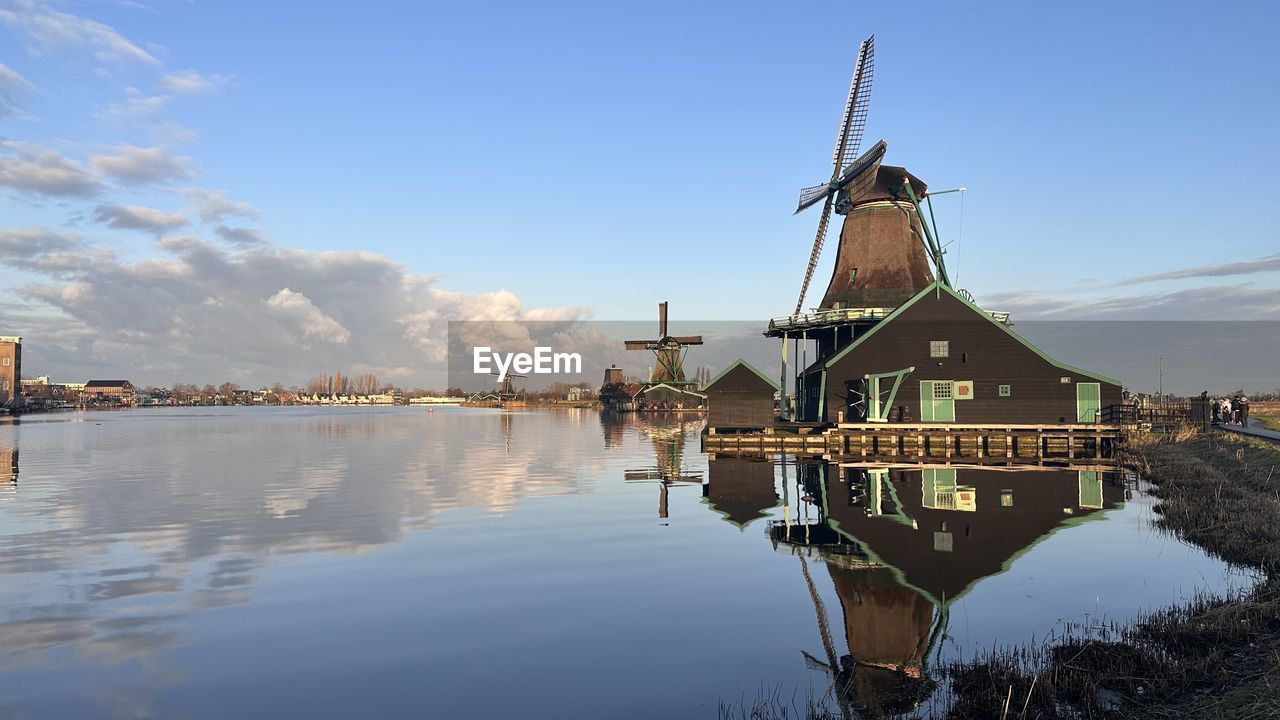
(37, 169)
(1270, 263)
(49, 30)
(1222, 302)
(135, 106)
(240, 236)
(154, 321)
(135, 217)
(12, 87)
(214, 206)
(297, 309)
(133, 164)
(191, 82)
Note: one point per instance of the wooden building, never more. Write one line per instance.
(949, 361)
(109, 392)
(10, 372)
(741, 397)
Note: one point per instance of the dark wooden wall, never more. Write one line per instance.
(740, 399)
(979, 351)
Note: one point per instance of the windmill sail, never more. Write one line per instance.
(848, 140)
(811, 195)
(854, 118)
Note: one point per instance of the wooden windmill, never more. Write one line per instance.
(883, 243)
(668, 351)
(507, 386)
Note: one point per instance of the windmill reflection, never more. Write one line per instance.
(666, 433)
(902, 545)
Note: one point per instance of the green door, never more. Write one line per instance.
(1090, 489)
(1088, 402)
(937, 401)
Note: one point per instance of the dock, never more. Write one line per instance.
(970, 444)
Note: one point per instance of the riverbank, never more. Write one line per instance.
(1212, 658)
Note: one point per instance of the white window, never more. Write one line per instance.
(943, 389)
(7, 361)
(939, 348)
(1066, 380)
(6, 384)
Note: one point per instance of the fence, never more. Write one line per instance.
(1160, 414)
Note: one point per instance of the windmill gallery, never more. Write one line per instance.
(903, 363)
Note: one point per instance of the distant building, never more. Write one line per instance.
(109, 392)
(10, 371)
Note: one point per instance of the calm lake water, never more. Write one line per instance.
(400, 563)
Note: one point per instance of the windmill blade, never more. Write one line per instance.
(639, 344)
(817, 251)
(864, 167)
(662, 319)
(687, 339)
(811, 195)
(854, 118)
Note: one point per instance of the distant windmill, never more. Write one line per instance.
(507, 388)
(667, 349)
(848, 141)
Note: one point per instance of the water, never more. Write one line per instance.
(282, 562)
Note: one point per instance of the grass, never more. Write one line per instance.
(1269, 420)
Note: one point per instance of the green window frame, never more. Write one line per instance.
(1006, 390)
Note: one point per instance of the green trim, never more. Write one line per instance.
(941, 287)
(647, 387)
(748, 366)
(822, 397)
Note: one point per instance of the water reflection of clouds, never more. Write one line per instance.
(119, 529)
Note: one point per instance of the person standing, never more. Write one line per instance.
(1244, 411)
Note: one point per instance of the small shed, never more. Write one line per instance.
(740, 397)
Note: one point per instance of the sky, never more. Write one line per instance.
(244, 191)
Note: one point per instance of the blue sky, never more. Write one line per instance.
(596, 158)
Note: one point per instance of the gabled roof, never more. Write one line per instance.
(106, 383)
(646, 388)
(746, 365)
(939, 286)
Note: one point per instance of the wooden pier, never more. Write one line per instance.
(976, 444)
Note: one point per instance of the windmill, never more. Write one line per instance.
(848, 141)
(507, 388)
(668, 350)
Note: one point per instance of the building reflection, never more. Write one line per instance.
(9, 467)
(902, 545)
(741, 489)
